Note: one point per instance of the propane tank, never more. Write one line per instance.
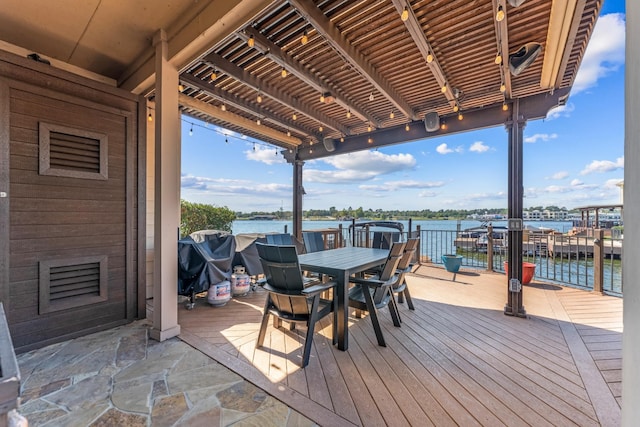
(240, 281)
(219, 294)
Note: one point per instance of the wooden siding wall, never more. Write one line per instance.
(58, 219)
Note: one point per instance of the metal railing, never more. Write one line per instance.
(590, 262)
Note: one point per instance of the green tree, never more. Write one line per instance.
(200, 216)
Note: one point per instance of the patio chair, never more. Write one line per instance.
(291, 296)
(313, 241)
(373, 293)
(405, 266)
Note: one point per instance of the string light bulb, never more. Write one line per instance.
(251, 42)
(226, 140)
(342, 139)
(405, 14)
(322, 99)
(503, 88)
(500, 14)
(443, 126)
(283, 72)
(295, 116)
(191, 130)
(259, 98)
(429, 58)
(258, 121)
(320, 128)
(369, 128)
(505, 107)
(348, 114)
(254, 146)
(305, 38)
(443, 89)
(150, 117)
(288, 133)
(460, 116)
(455, 108)
(406, 127)
(498, 59)
(370, 140)
(181, 87)
(223, 107)
(392, 115)
(371, 97)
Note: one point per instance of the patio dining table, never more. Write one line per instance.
(340, 264)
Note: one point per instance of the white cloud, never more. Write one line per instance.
(265, 155)
(360, 166)
(559, 175)
(399, 185)
(425, 194)
(231, 186)
(613, 183)
(443, 149)
(605, 52)
(561, 111)
(540, 137)
(376, 160)
(479, 147)
(576, 182)
(601, 166)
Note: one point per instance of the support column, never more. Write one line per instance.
(515, 128)
(298, 191)
(167, 195)
(631, 253)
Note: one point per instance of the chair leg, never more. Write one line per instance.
(373, 314)
(409, 300)
(393, 309)
(400, 298)
(310, 329)
(264, 323)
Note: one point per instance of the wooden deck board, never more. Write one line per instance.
(456, 360)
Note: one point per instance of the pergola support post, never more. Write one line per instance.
(515, 127)
(167, 195)
(298, 191)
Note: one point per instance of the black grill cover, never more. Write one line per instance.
(204, 258)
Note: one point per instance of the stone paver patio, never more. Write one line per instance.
(120, 377)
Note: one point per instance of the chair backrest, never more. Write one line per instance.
(284, 278)
(279, 239)
(409, 253)
(393, 259)
(389, 271)
(384, 239)
(313, 241)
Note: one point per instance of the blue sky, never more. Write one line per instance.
(572, 158)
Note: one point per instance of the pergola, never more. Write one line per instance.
(316, 79)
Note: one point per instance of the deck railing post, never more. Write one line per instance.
(598, 260)
(490, 248)
(419, 234)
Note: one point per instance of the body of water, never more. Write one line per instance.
(248, 226)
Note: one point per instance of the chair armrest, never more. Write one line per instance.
(367, 281)
(320, 287)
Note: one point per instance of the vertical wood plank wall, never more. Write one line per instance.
(55, 218)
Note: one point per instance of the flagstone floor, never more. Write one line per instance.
(120, 377)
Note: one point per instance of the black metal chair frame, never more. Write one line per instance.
(291, 296)
(373, 293)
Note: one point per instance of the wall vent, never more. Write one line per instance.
(72, 283)
(70, 152)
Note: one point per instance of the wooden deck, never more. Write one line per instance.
(456, 360)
